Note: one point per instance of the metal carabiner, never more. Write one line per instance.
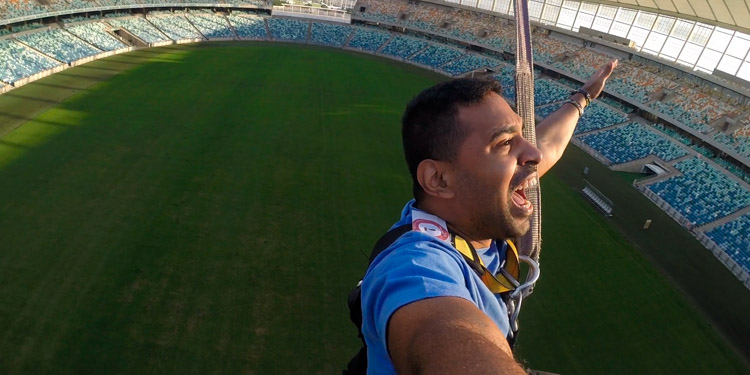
(524, 290)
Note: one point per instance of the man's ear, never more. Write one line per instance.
(436, 178)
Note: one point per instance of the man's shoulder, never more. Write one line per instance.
(417, 256)
(416, 244)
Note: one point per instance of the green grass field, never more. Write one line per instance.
(204, 210)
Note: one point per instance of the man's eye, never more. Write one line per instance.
(503, 143)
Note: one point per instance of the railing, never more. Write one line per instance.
(337, 14)
(66, 12)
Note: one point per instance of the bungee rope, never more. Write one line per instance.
(530, 244)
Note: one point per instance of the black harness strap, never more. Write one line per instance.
(358, 364)
(355, 296)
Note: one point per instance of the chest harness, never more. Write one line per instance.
(503, 283)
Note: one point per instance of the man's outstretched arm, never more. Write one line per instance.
(555, 131)
(447, 335)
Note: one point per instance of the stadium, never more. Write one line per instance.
(193, 187)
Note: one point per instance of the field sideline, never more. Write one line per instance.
(203, 209)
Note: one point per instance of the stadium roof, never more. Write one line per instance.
(731, 14)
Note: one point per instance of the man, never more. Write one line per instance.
(424, 310)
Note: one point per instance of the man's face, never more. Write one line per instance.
(493, 165)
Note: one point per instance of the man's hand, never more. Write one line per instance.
(447, 335)
(595, 84)
(554, 132)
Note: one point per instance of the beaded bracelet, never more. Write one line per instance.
(577, 105)
(585, 94)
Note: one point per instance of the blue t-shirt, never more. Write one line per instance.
(415, 267)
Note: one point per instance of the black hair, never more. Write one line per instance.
(430, 128)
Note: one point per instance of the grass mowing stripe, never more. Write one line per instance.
(205, 212)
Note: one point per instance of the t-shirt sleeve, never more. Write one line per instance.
(407, 272)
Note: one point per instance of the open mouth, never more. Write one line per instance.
(519, 195)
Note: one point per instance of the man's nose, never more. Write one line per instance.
(529, 154)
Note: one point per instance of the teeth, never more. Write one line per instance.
(531, 182)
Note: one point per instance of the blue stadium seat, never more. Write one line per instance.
(141, 28)
(96, 34)
(508, 81)
(17, 62)
(330, 34)
(436, 55)
(176, 26)
(212, 26)
(596, 116)
(404, 46)
(288, 29)
(733, 238)
(632, 142)
(249, 26)
(368, 40)
(702, 194)
(467, 63)
(546, 92)
(59, 44)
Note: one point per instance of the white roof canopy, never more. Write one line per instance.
(730, 14)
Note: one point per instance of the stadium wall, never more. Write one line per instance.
(37, 76)
(186, 41)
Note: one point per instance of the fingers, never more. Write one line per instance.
(595, 84)
(608, 68)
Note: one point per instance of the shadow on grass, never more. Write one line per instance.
(35, 99)
(13, 144)
(81, 76)
(24, 119)
(150, 52)
(53, 86)
(126, 59)
(98, 68)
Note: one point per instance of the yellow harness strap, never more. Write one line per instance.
(503, 281)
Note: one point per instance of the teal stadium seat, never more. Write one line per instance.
(632, 142)
(96, 34)
(702, 194)
(404, 46)
(329, 34)
(248, 26)
(59, 44)
(17, 62)
(368, 40)
(212, 26)
(288, 29)
(436, 55)
(467, 63)
(596, 116)
(733, 238)
(141, 28)
(502, 44)
(176, 26)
